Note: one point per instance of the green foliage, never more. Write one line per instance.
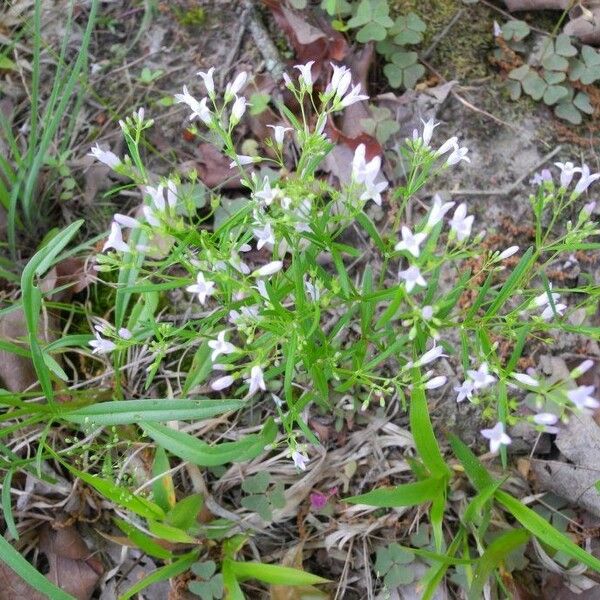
(393, 563)
(262, 498)
(373, 20)
(210, 586)
(549, 73)
(404, 70)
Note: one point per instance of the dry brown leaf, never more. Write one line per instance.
(14, 588)
(213, 168)
(72, 568)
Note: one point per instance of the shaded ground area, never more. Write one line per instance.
(141, 56)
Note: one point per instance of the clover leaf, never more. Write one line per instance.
(211, 586)
(515, 30)
(404, 70)
(372, 16)
(392, 564)
(587, 70)
(380, 124)
(261, 499)
(408, 29)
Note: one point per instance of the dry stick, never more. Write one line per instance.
(512, 186)
(440, 36)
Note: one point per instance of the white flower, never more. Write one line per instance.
(300, 459)
(585, 180)
(277, 400)
(548, 313)
(525, 379)
(449, 144)
(279, 133)
(312, 290)
(567, 171)
(158, 196)
(171, 194)
(507, 253)
(435, 382)
(231, 89)
(261, 286)
(238, 264)
(106, 157)
(412, 276)
(202, 287)
(243, 159)
(150, 216)
(584, 367)
(340, 81)
(207, 77)
(222, 382)
(101, 346)
(429, 356)
(581, 397)
(465, 390)
(268, 269)
(410, 242)
(267, 194)
(264, 236)
(305, 76)
(124, 333)
(437, 212)
(427, 312)
(543, 298)
(287, 81)
(255, 381)
(457, 155)
(125, 221)
(353, 97)
(588, 208)
(199, 109)
(428, 127)
(362, 170)
(481, 377)
(461, 224)
(373, 191)
(546, 420)
(496, 436)
(497, 29)
(238, 109)
(115, 239)
(220, 346)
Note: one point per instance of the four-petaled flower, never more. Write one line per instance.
(496, 436)
(110, 159)
(101, 345)
(481, 377)
(585, 180)
(279, 133)
(264, 236)
(221, 346)
(465, 390)
(115, 239)
(581, 397)
(567, 171)
(410, 242)
(461, 224)
(305, 76)
(198, 108)
(300, 460)
(412, 276)
(437, 212)
(202, 287)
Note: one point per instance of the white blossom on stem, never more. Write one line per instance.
(256, 380)
(101, 345)
(460, 223)
(437, 212)
(410, 242)
(115, 239)
(202, 288)
(222, 383)
(412, 277)
(496, 436)
(582, 398)
(232, 88)
(465, 390)
(221, 346)
(106, 157)
(481, 377)
(198, 108)
(305, 76)
(209, 84)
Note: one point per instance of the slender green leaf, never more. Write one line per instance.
(273, 574)
(406, 494)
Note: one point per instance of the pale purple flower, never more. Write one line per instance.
(496, 436)
(458, 154)
(171, 194)
(465, 390)
(202, 287)
(362, 170)
(427, 312)
(124, 333)
(449, 144)
(209, 84)
(353, 97)
(525, 379)
(232, 89)
(428, 357)
(157, 194)
(267, 194)
(585, 180)
(222, 383)
(300, 460)
(373, 191)
(581, 397)
(544, 299)
(264, 236)
(435, 382)
(497, 29)
(115, 239)
(305, 76)
(584, 367)
(238, 264)
(106, 157)
(460, 223)
(256, 380)
(268, 269)
(410, 242)
(125, 221)
(150, 216)
(438, 210)
(548, 312)
(546, 421)
(428, 127)
(243, 159)
(412, 277)
(481, 377)
(312, 290)
(221, 346)
(588, 209)
(567, 171)
(544, 176)
(101, 345)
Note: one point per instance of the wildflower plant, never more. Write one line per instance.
(301, 300)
